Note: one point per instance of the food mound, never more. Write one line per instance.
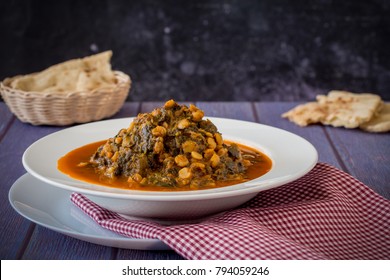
(172, 146)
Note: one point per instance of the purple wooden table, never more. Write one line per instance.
(365, 156)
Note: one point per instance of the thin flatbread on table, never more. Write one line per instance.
(349, 109)
(380, 122)
(338, 108)
(306, 114)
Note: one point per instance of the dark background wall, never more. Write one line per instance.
(209, 50)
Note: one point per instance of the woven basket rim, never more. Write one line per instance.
(65, 108)
(125, 79)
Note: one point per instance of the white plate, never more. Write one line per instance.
(55, 211)
(291, 155)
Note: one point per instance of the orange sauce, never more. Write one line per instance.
(69, 164)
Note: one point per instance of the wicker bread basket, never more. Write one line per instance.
(51, 108)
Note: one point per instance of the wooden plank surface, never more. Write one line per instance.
(128, 110)
(46, 244)
(21, 235)
(269, 113)
(15, 229)
(147, 255)
(364, 155)
(231, 110)
(6, 118)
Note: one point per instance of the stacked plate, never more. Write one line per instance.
(42, 195)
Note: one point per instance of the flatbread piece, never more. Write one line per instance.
(338, 108)
(380, 122)
(83, 74)
(348, 109)
(306, 114)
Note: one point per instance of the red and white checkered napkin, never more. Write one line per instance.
(327, 214)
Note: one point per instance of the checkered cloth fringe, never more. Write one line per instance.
(327, 214)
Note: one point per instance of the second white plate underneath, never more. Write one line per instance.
(55, 211)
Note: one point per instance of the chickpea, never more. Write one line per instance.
(178, 113)
(158, 147)
(137, 177)
(196, 155)
(218, 138)
(197, 115)
(208, 153)
(211, 142)
(115, 156)
(130, 180)
(130, 128)
(169, 104)
(159, 131)
(114, 148)
(107, 147)
(156, 112)
(184, 123)
(181, 160)
(185, 173)
(193, 108)
(222, 152)
(189, 146)
(182, 182)
(118, 140)
(110, 172)
(143, 181)
(214, 160)
(126, 141)
(208, 134)
(197, 165)
(210, 184)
